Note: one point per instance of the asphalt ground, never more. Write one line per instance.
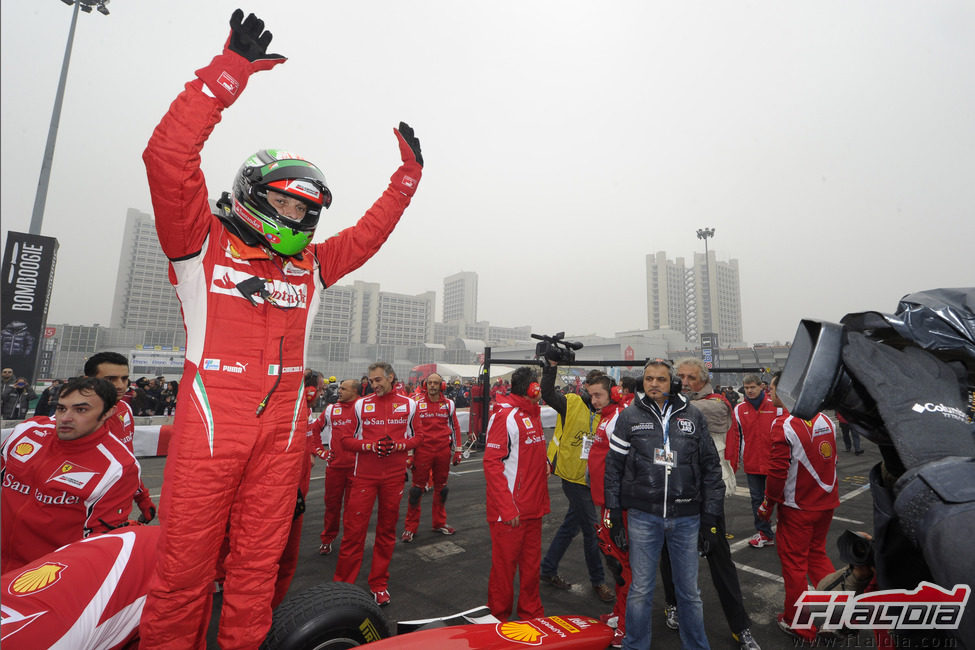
(438, 576)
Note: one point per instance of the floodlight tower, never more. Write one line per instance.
(37, 216)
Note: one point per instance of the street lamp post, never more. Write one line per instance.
(705, 234)
(40, 199)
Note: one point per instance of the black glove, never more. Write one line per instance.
(406, 135)
(248, 38)
(385, 446)
(299, 506)
(243, 54)
(617, 531)
(918, 397)
(709, 534)
(146, 517)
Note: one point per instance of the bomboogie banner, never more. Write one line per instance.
(28, 277)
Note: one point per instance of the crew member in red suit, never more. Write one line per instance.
(335, 423)
(753, 417)
(249, 280)
(383, 435)
(609, 400)
(65, 477)
(516, 473)
(114, 367)
(87, 594)
(439, 431)
(802, 482)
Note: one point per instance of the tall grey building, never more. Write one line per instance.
(144, 298)
(460, 297)
(681, 297)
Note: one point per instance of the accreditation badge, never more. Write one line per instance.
(664, 457)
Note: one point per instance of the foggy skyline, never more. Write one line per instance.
(831, 145)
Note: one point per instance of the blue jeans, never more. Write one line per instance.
(581, 515)
(756, 488)
(647, 534)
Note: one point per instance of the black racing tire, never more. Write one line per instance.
(331, 615)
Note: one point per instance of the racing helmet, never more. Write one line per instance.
(283, 172)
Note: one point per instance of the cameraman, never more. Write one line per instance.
(568, 455)
(905, 382)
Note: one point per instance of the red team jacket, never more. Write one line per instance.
(336, 422)
(596, 465)
(755, 428)
(59, 491)
(515, 462)
(122, 425)
(390, 415)
(436, 424)
(802, 463)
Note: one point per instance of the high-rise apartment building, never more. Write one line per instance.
(702, 297)
(144, 298)
(460, 297)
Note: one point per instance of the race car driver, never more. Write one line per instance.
(337, 421)
(248, 280)
(65, 477)
(383, 435)
(438, 428)
(114, 367)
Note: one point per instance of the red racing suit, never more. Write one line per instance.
(289, 557)
(516, 474)
(439, 432)
(229, 463)
(59, 491)
(755, 429)
(122, 425)
(375, 477)
(597, 474)
(802, 480)
(88, 594)
(336, 422)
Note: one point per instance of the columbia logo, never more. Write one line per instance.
(918, 408)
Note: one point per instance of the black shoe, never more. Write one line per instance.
(858, 452)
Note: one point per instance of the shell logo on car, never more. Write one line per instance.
(36, 579)
(521, 632)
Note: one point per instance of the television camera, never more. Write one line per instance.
(555, 348)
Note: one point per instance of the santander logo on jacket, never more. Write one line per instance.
(436, 423)
(390, 415)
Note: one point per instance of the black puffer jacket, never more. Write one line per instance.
(693, 486)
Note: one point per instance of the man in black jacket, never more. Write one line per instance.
(663, 469)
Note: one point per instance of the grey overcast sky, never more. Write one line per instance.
(830, 144)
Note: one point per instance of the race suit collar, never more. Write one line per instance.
(525, 404)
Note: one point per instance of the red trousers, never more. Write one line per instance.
(289, 557)
(515, 548)
(358, 511)
(338, 486)
(801, 543)
(425, 460)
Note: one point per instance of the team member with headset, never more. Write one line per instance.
(440, 445)
(610, 400)
(516, 473)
